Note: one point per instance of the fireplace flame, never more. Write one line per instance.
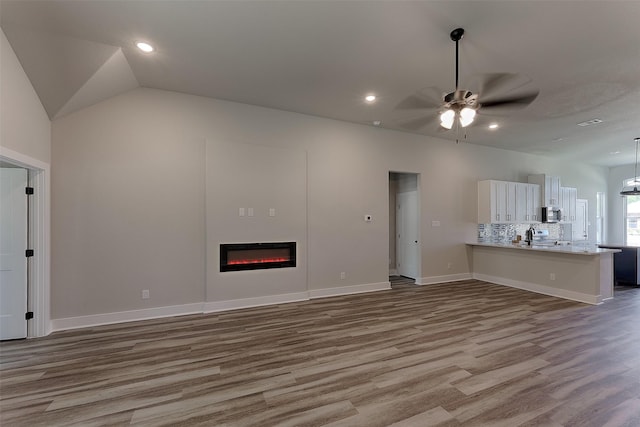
(256, 261)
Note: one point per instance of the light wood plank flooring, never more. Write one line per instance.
(466, 353)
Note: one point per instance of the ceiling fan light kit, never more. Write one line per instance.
(633, 191)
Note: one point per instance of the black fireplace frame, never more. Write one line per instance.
(225, 248)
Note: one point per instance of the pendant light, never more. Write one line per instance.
(635, 191)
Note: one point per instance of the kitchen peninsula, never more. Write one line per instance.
(578, 273)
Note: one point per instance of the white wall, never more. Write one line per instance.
(24, 125)
(129, 212)
(259, 178)
(615, 203)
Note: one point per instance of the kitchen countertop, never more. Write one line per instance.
(566, 249)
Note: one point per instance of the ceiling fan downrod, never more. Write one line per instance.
(456, 35)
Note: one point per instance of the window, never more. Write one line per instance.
(632, 216)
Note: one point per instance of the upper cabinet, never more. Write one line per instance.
(550, 186)
(508, 202)
(568, 200)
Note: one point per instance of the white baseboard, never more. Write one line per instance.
(215, 306)
(207, 307)
(442, 279)
(347, 290)
(541, 289)
(124, 316)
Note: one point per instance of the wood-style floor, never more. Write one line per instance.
(459, 354)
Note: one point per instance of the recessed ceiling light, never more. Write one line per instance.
(370, 98)
(493, 126)
(145, 47)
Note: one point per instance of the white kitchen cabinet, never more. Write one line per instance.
(533, 203)
(492, 202)
(527, 202)
(511, 199)
(568, 199)
(507, 202)
(550, 188)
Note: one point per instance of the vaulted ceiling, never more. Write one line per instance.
(321, 57)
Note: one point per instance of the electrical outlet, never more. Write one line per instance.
(145, 294)
(343, 275)
(552, 276)
(449, 265)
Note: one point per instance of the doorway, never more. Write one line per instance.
(404, 225)
(38, 290)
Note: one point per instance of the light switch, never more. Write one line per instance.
(250, 211)
(240, 211)
(272, 212)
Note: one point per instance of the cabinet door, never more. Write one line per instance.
(552, 191)
(522, 195)
(511, 197)
(564, 202)
(533, 203)
(568, 197)
(500, 202)
(572, 197)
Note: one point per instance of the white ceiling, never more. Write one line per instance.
(322, 57)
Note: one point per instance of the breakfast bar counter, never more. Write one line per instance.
(580, 273)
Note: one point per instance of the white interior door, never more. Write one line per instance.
(13, 244)
(581, 224)
(407, 231)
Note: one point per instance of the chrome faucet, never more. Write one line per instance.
(530, 233)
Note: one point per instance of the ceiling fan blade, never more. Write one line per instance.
(500, 83)
(430, 97)
(415, 102)
(418, 123)
(516, 101)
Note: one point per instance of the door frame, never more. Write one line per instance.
(418, 279)
(38, 288)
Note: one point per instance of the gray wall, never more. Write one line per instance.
(615, 203)
(24, 125)
(137, 202)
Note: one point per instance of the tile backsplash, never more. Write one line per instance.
(505, 233)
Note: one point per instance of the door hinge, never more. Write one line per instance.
(28, 253)
(28, 315)
(28, 191)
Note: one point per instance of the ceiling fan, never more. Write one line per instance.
(498, 93)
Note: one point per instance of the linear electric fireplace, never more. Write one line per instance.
(257, 256)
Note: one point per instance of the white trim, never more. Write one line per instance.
(208, 307)
(39, 291)
(349, 290)
(442, 279)
(215, 306)
(125, 316)
(541, 289)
